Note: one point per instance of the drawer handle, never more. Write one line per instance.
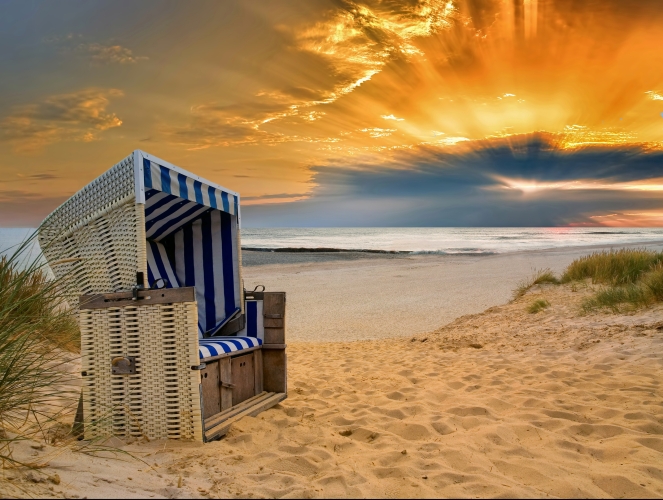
(273, 316)
(226, 385)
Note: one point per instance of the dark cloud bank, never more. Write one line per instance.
(462, 187)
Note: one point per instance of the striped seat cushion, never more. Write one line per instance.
(208, 348)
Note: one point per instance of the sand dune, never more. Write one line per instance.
(502, 403)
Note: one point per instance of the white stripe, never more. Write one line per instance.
(204, 188)
(199, 271)
(244, 343)
(152, 264)
(219, 199)
(166, 263)
(233, 246)
(155, 171)
(204, 351)
(174, 185)
(189, 189)
(218, 266)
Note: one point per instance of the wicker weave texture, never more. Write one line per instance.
(95, 241)
(105, 191)
(162, 400)
(101, 256)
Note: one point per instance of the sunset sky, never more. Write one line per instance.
(342, 113)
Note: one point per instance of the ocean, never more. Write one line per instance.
(442, 240)
(434, 240)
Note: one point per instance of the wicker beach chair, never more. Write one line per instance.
(172, 346)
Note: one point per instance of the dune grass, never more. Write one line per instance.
(614, 268)
(632, 278)
(38, 335)
(538, 306)
(541, 276)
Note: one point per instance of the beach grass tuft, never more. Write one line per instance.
(538, 306)
(38, 336)
(540, 277)
(614, 268)
(632, 278)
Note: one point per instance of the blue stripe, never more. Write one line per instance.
(147, 173)
(184, 190)
(167, 214)
(227, 251)
(236, 211)
(226, 203)
(208, 271)
(150, 274)
(211, 192)
(165, 180)
(198, 191)
(189, 269)
(252, 318)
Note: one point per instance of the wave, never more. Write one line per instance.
(458, 251)
(607, 232)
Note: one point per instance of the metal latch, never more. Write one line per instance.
(123, 365)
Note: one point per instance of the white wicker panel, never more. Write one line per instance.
(100, 257)
(109, 188)
(162, 400)
(94, 242)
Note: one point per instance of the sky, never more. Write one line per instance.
(344, 113)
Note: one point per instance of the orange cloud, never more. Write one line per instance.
(78, 116)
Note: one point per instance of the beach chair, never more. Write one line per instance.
(172, 345)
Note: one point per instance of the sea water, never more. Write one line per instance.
(443, 240)
(437, 240)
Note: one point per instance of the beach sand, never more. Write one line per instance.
(359, 296)
(498, 403)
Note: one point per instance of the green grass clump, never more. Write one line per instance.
(633, 278)
(541, 276)
(613, 268)
(538, 306)
(38, 334)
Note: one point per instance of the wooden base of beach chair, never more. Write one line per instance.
(247, 382)
(219, 424)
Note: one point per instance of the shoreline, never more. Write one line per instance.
(321, 254)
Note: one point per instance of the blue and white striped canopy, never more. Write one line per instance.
(192, 230)
(171, 182)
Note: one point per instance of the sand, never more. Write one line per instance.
(354, 296)
(499, 403)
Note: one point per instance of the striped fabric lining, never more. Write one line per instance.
(171, 182)
(208, 348)
(159, 266)
(165, 213)
(253, 326)
(206, 258)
